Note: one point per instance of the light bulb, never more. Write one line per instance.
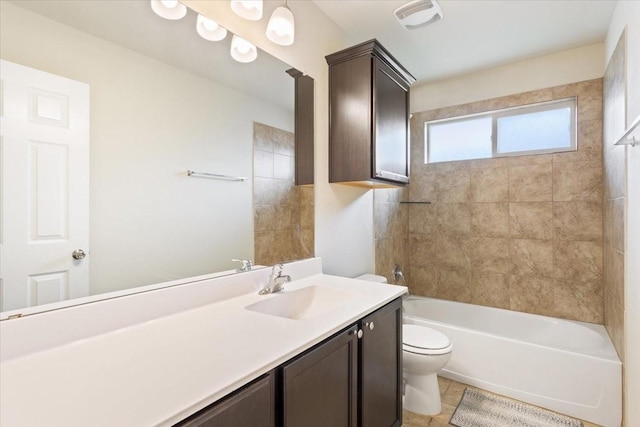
(248, 9)
(242, 50)
(169, 4)
(209, 29)
(281, 27)
(169, 9)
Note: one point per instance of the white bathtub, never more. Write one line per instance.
(566, 366)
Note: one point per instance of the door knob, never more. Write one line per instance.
(78, 254)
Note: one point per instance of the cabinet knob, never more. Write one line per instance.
(358, 333)
(371, 325)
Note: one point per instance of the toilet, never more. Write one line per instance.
(424, 352)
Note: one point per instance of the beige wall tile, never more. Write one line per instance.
(422, 249)
(476, 235)
(454, 218)
(422, 187)
(262, 164)
(617, 230)
(531, 257)
(577, 181)
(617, 288)
(531, 160)
(490, 289)
(490, 219)
(454, 251)
(490, 255)
(423, 218)
(530, 183)
(453, 284)
(614, 322)
(490, 185)
(263, 217)
(578, 301)
(531, 295)
(578, 221)
(422, 280)
(453, 186)
(578, 261)
(282, 167)
(263, 137)
(531, 220)
(614, 166)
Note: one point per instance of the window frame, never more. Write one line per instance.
(570, 102)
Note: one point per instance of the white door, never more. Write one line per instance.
(44, 147)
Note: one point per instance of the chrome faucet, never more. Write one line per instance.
(247, 265)
(276, 281)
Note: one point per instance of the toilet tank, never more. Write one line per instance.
(372, 278)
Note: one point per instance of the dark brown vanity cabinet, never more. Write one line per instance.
(380, 368)
(352, 379)
(319, 387)
(251, 406)
(368, 117)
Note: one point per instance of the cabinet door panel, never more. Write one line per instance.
(391, 136)
(319, 388)
(380, 368)
(252, 406)
(350, 120)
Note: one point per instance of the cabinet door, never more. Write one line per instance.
(391, 117)
(251, 406)
(320, 387)
(380, 367)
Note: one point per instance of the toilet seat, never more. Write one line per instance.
(422, 340)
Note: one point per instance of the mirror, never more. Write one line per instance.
(159, 101)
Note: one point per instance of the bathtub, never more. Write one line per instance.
(562, 365)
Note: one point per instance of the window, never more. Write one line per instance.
(547, 127)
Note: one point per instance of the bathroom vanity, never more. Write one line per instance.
(352, 378)
(210, 351)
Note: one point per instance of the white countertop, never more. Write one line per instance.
(160, 371)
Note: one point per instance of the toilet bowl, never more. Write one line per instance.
(424, 352)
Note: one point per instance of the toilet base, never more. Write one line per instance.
(422, 394)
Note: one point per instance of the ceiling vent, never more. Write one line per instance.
(418, 13)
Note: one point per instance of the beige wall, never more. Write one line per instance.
(574, 65)
(521, 233)
(282, 211)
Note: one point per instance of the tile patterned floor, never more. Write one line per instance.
(450, 393)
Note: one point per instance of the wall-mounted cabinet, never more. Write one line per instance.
(304, 130)
(368, 117)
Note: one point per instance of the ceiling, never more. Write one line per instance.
(474, 34)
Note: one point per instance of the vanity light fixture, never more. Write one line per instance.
(169, 9)
(248, 9)
(281, 28)
(242, 50)
(209, 29)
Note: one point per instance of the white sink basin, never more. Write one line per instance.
(303, 303)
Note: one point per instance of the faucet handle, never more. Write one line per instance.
(247, 264)
(277, 269)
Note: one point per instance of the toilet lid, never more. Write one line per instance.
(423, 340)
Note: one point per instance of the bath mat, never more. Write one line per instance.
(482, 409)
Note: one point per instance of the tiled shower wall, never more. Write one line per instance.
(282, 211)
(614, 196)
(521, 233)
